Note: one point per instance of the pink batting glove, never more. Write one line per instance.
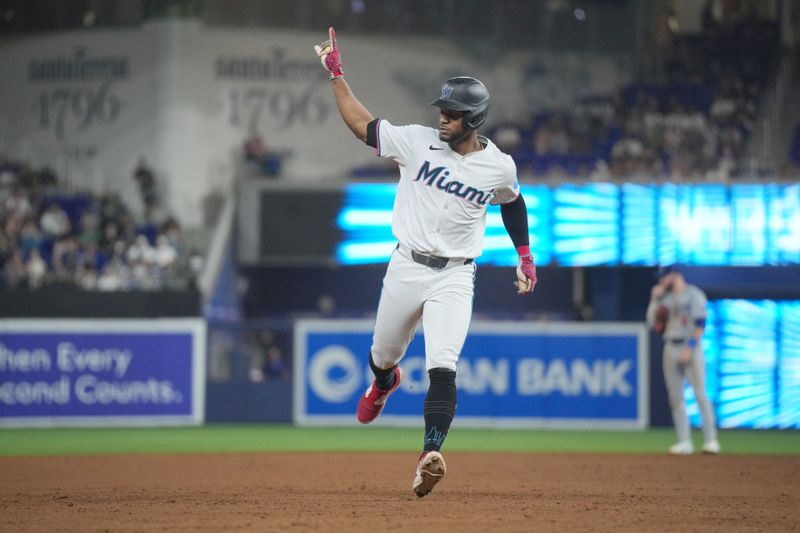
(526, 271)
(329, 56)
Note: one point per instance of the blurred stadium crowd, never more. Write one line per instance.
(50, 237)
(691, 126)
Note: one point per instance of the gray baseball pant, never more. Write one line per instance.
(674, 375)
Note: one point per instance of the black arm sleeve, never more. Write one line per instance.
(372, 133)
(515, 219)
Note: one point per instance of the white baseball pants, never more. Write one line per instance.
(441, 297)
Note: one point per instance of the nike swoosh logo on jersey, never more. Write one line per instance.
(432, 147)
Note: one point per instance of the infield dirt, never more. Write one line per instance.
(372, 492)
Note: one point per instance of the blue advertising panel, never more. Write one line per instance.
(101, 372)
(510, 374)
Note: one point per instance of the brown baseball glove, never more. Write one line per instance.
(662, 315)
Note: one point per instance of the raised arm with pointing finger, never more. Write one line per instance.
(449, 175)
(353, 112)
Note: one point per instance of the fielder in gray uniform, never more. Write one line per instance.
(677, 311)
(449, 175)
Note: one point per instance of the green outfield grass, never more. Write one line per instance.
(283, 438)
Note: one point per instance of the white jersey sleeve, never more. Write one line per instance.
(395, 142)
(509, 190)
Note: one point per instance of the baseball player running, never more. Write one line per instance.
(448, 177)
(677, 310)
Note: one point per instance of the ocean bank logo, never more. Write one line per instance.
(334, 374)
(542, 377)
(598, 378)
(509, 375)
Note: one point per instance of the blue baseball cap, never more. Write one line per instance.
(665, 270)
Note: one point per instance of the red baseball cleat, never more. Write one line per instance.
(371, 404)
(430, 471)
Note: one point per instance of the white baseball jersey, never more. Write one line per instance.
(685, 308)
(442, 197)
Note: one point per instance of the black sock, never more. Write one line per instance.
(384, 378)
(440, 407)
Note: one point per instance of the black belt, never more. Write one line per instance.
(435, 261)
(676, 341)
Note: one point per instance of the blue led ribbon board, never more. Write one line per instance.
(608, 224)
(752, 359)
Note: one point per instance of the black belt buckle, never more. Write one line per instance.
(432, 261)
